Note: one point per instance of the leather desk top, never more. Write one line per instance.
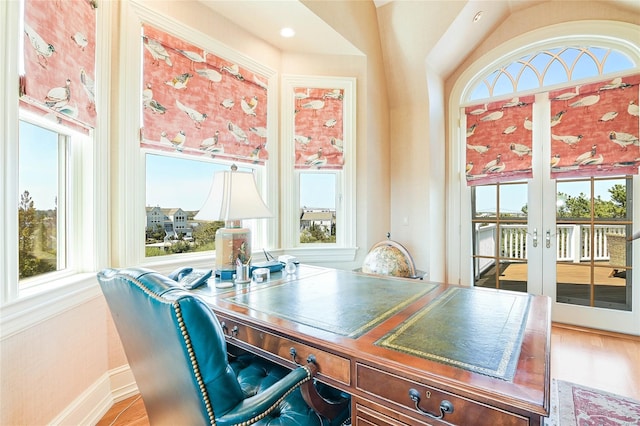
(350, 306)
(479, 331)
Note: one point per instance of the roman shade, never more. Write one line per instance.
(197, 103)
(59, 61)
(318, 128)
(594, 129)
(499, 141)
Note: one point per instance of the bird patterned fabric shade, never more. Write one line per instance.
(319, 128)
(199, 104)
(594, 129)
(59, 61)
(499, 141)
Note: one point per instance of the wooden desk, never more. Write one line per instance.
(482, 353)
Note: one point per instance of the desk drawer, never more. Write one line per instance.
(396, 390)
(329, 365)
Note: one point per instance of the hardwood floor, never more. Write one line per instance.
(601, 360)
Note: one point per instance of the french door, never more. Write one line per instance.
(566, 239)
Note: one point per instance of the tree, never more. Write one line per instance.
(28, 263)
(617, 207)
(26, 223)
(574, 206)
(155, 232)
(205, 233)
(580, 206)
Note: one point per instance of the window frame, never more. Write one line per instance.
(344, 249)
(69, 144)
(88, 163)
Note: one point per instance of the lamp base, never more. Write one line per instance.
(231, 244)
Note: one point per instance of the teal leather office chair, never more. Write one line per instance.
(178, 355)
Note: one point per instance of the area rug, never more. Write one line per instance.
(576, 405)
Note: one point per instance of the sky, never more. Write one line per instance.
(514, 197)
(185, 183)
(38, 171)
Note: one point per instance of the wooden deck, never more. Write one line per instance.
(569, 273)
(574, 279)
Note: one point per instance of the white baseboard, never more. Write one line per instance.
(93, 403)
(123, 384)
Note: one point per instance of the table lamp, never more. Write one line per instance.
(233, 197)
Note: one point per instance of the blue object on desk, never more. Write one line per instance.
(271, 265)
(225, 275)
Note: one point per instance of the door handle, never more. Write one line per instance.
(548, 238)
(535, 237)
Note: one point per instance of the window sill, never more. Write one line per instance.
(39, 303)
(316, 254)
(320, 254)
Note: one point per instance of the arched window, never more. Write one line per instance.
(550, 67)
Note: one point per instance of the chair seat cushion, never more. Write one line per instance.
(256, 374)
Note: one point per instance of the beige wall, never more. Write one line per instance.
(357, 22)
(47, 366)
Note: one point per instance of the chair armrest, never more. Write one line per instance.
(261, 404)
(328, 409)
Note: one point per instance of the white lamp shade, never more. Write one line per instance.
(233, 196)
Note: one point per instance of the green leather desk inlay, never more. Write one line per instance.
(476, 330)
(347, 304)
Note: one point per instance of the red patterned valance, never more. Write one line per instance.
(59, 61)
(318, 128)
(199, 104)
(499, 141)
(594, 129)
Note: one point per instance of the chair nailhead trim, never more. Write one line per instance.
(194, 363)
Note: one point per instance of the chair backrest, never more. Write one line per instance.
(175, 347)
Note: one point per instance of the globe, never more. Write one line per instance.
(389, 258)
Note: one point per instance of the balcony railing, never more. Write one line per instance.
(573, 242)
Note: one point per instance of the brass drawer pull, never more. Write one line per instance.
(294, 357)
(446, 407)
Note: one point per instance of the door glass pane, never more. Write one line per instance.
(593, 256)
(500, 237)
(514, 276)
(513, 201)
(484, 201)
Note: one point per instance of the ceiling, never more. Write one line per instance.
(435, 27)
(313, 35)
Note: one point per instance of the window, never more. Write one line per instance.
(54, 201)
(549, 68)
(318, 158)
(212, 114)
(42, 186)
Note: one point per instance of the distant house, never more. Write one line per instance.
(317, 217)
(173, 221)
